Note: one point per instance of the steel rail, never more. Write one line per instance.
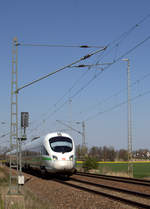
(113, 197)
(143, 195)
(117, 178)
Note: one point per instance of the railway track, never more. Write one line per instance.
(103, 187)
(123, 195)
(117, 178)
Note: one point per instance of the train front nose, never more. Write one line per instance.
(62, 165)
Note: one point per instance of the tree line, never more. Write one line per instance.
(110, 154)
(104, 153)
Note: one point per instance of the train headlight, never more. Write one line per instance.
(55, 158)
(71, 157)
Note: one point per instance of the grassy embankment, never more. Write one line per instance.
(31, 201)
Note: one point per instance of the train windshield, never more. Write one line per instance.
(61, 144)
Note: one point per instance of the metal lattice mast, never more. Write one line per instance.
(130, 163)
(13, 187)
(130, 167)
(83, 134)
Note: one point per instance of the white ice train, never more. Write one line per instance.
(53, 153)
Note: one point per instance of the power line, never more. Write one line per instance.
(3, 135)
(116, 106)
(132, 49)
(69, 90)
(116, 42)
(65, 102)
(91, 65)
(119, 39)
(60, 45)
(96, 76)
(117, 93)
(61, 98)
(105, 68)
(63, 68)
(125, 34)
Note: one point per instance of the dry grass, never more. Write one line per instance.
(121, 174)
(33, 202)
(29, 199)
(2, 175)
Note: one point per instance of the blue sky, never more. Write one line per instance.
(94, 95)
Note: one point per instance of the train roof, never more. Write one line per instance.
(40, 140)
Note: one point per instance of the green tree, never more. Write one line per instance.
(90, 163)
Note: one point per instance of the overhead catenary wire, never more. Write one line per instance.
(59, 45)
(63, 68)
(99, 103)
(134, 83)
(121, 38)
(116, 106)
(117, 93)
(63, 104)
(118, 40)
(67, 92)
(4, 140)
(3, 136)
(70, 89)
(105, 68)
(125, 34)
(96, 76)
(91, 65)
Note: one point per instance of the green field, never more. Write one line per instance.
(140, 169)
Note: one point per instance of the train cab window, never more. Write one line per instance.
(61, 144)
(44, 151)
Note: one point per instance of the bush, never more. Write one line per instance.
(90, 163)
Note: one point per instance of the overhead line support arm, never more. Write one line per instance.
(67, 66)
